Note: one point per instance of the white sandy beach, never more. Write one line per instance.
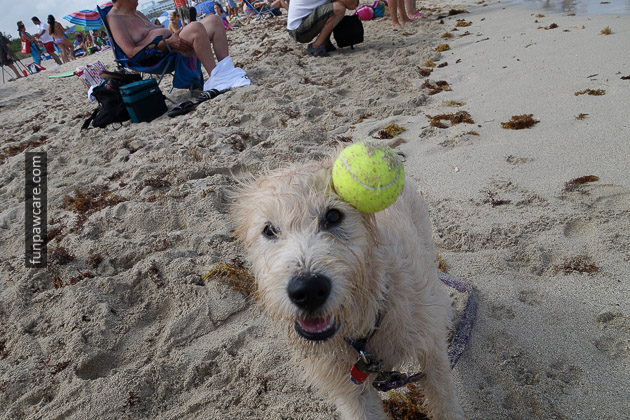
(122, 324)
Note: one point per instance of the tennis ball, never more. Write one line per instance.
(369, 176)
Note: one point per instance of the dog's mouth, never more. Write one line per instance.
(317, 328)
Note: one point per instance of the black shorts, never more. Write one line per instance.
(312, 24)
(5, 59)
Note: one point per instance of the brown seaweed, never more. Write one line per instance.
(234, 274)
(456, 118)
(579, 264)
(390, 131)
(437, 87)
(592, 92)
(519, 122)
(576, 183)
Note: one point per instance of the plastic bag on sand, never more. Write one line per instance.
(225, 76)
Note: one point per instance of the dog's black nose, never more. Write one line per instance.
(309, 291)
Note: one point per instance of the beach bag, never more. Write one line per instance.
(35, 68)
(379, 8)
(365, 12)
(144, 100)
(111, 107)
(348, 32)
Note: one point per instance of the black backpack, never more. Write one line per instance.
(348, 32)
(111, 107)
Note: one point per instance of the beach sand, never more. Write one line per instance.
(122, 324)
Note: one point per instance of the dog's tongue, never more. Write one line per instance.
(314, 325)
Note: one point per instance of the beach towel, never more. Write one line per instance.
(225, 76)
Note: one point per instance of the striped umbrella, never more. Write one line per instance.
(88, 18)
(76, 28)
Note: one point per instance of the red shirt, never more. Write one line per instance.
(180, 3)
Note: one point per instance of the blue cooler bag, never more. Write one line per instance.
(144, 100)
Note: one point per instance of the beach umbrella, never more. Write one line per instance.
(77, 28)
(205, 8)
(164, 18)
(87, 18)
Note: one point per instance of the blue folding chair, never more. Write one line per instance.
(261, 12)
(186, 70)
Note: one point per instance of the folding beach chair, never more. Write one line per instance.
(186, 70)
(260, 13)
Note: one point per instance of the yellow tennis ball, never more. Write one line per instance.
(369, 176)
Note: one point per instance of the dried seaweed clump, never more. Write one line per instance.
(592, 92)
(390, 131)
(437, 87)
(552, 26)
(447, 35)
(581, 116)
(405, 406)
(576, 183)
(452, 103)
(94, 199)
(519, 122)
(60, 256)
(462, 23)
(456, 118)
(442, 265)
(429, 63)
(579, 264)
(234, 274)
(606, 31)
(17, 149)
(442, 48)
(424, 72)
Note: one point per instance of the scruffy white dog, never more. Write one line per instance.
(331, 274)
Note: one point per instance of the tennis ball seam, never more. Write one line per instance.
(369, 187)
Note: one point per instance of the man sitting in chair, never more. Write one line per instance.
(308, 19)
(133, 32)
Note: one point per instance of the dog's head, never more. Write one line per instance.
(310, 252)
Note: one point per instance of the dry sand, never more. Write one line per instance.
(140, 334)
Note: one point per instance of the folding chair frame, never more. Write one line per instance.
(122, 63)
(265, 10)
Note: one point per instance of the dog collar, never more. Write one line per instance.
(387, 380)
(367, 363)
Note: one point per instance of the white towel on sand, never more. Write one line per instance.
(225, 76)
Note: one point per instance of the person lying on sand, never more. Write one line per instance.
(132, 31)
(308, 19)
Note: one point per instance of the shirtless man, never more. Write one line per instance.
(133, 32)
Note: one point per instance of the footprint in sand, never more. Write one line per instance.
(615, 339)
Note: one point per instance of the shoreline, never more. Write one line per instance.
(123, 324)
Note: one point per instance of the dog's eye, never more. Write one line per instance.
(269, 231)
(333, 218)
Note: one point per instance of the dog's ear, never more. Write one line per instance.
(241, 200)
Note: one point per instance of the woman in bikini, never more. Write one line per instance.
(57, 31)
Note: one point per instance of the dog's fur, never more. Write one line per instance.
(382, 263)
